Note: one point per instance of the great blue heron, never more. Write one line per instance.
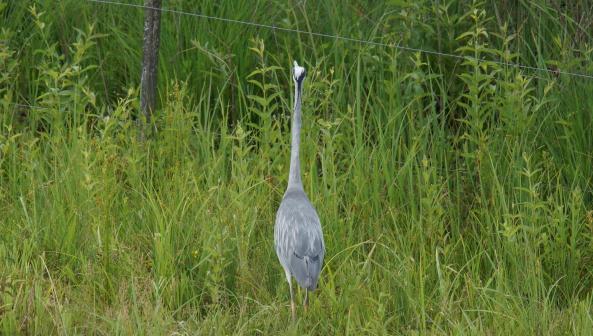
(297, 233)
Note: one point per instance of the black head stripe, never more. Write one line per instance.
(301, 77)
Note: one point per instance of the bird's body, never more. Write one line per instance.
(298, 237)
(299, 240)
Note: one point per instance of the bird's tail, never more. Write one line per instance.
(306, 270)
(312, 273)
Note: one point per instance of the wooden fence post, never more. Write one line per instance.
(152, 30)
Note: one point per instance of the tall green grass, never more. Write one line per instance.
(455, 196)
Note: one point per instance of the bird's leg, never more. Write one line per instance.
(292, 305)
(306, 303)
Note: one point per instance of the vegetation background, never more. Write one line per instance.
(455, 196)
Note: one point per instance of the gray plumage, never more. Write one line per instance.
(298, 238)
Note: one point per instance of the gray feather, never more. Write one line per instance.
(298, 238)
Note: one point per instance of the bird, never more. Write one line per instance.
(298, 237)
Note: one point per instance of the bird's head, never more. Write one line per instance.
(298, 73)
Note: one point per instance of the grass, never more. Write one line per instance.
(455, 197)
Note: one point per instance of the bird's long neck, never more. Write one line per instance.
(294, 177)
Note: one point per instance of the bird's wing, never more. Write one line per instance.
(299, 241)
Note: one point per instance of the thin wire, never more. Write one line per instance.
(29, 106)
(345, 38)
